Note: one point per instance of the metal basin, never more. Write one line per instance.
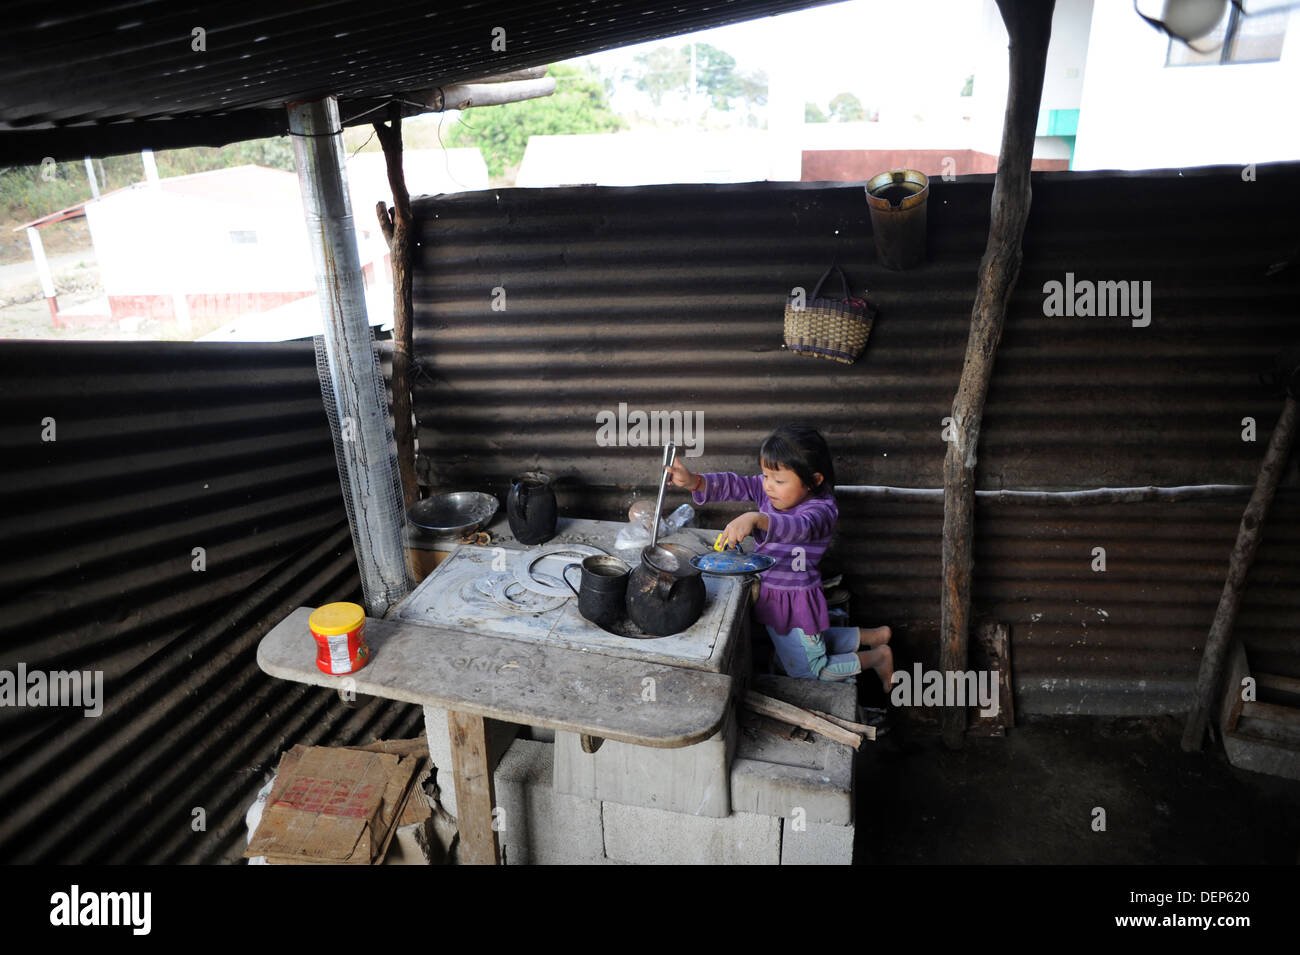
(455, 514)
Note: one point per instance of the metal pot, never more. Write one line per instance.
(665, 594)
(531, 508)
(602, 594)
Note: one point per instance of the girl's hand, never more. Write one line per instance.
(741, 527)
(680, 476)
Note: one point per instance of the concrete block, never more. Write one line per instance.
(774, 777)
(538, 825)
(816, 844)
(689, 779)
(499, 737)
(653, 837)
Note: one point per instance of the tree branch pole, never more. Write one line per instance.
(1029, 26)
(397, 232)
(1243, 555)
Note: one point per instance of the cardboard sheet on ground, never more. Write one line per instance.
(333, 806)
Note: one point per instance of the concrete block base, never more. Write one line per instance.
(538, 826)
(808, 779)
(692, 779)
(815, 844)
(653, 837)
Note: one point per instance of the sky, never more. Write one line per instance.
(885, 51)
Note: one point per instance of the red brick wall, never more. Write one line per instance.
(203, 307)
(855, 165)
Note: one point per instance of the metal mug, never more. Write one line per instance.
(603, 592)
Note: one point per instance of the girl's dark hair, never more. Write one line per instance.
(803, 450)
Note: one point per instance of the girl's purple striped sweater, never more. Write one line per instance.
(788, 598)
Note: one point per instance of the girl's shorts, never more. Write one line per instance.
(829, 655)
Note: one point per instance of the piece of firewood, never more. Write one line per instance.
(789, 713)
(868, 731)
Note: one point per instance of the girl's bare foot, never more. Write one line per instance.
(875, 637)
(881, 659)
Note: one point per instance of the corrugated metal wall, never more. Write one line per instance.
(162, 448)
(670, 299)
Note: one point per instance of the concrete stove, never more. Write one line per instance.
(477, 589)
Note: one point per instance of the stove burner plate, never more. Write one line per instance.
(530, 573)
(514, 596)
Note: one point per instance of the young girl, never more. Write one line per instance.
(793, 523)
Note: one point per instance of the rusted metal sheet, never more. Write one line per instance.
(1123, 640)
(670, 298)
(121, 460)
(92, 79)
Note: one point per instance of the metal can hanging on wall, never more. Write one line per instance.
(897, 201)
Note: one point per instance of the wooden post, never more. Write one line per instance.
(1029, 25)
(397, 232)
(475, 789)
(1243, 555)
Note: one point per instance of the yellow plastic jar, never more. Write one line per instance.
(340, 632)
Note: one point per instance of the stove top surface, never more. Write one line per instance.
(479, 590)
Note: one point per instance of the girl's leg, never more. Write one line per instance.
(875, 637)
(881, 659)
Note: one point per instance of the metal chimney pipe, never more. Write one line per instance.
(363, 440)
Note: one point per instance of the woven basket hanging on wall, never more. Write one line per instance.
(834, 328)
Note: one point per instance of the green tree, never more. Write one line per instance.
(969, 88)
(847, 108)
(663, 71)
(578, 105)
(812, 113)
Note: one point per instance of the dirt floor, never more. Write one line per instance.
(1030, 797)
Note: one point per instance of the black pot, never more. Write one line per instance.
(531, 509)
(603, 592)
(665, 594)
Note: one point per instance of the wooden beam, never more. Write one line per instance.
(475, 789)
(797, 716)
(466, 95)
(1029, 26)
(1243, 555)
(396, 227)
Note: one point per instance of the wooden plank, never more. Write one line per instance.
(789, 713)
(861, 728)
(992, 651)
(1277, 734)
(1282, 684)
(1210, 674)
(475, 789)
(516, 681)
(1272, 712)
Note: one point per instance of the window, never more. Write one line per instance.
(243, 237)
(1239, 38)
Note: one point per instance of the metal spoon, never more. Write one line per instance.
(670, 455)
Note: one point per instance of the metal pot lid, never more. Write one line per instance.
(731, 563)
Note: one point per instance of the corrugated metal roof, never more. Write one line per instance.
(84, 78)
(671, 298)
